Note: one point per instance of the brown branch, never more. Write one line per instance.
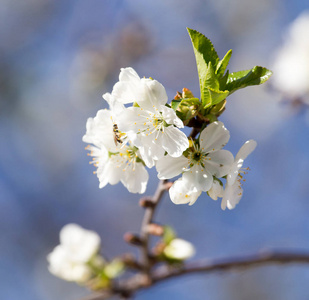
(244, 262)
(135, 283)
(148, 216)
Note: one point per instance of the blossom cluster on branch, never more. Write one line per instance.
(142, 129)
(125, 140)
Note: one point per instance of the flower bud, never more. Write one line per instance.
(179, 249)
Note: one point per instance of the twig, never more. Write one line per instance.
(148, 216)
(244, 262)
(132, 285)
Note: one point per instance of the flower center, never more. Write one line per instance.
(197, 156)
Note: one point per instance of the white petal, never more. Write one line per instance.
(169, 167)
(109, 173)
(174, 141)
(150, 151)
(135, 179)
(133, 119)
(61, 265)
(242, 154)
(81, 244)
(179, 193)
(170, 117)
(245, 150)
(232, 195)
(127, 89)
(99, 130)
(154, 94)
(197, 179)
(216, 190)
(214, 137)
(219, 162)
(115, 106)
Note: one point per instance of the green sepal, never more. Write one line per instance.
(168, 235)
(186, 108)
(175, 104)
(223, 63)
(241, 79)
(114, 269)
(213, 97)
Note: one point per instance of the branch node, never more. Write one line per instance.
(146, 202)
(155, 229)
(132, 239)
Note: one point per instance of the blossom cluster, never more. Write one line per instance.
(71, 259)
(140, 129)
(76, 258)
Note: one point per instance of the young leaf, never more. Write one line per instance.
(211, 80)
(213, 97)
(205, 55)
(238, 80)
(223, 63)
(202, 45)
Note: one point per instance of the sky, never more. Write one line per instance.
(57, 58)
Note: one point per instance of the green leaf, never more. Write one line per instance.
(223, 80)
(238, 80)
(203, 46)
(213, 97)
(223, 63)
(210, 80)
(205, 55)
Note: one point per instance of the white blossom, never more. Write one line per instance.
(155, 130)
(180, 194)
(77, 247)
(233, 190)
(291, 66)
(179, 249)
(202, 161)
(115, 162)
(151, 126)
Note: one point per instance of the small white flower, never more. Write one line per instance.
(151, 126)
(291, 66)
(233, 190)
(81, 243)
(179, 249)
(77, 247)
(242, 154)
(145, 92)
(62, 266)
(153, 131)
(202, 161)
(179, 193)
(114, 161)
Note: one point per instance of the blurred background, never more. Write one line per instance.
(56, 60)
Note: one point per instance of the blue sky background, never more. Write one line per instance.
(56, 60)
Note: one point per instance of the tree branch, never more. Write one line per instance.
(148, 216)
(135, 283)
